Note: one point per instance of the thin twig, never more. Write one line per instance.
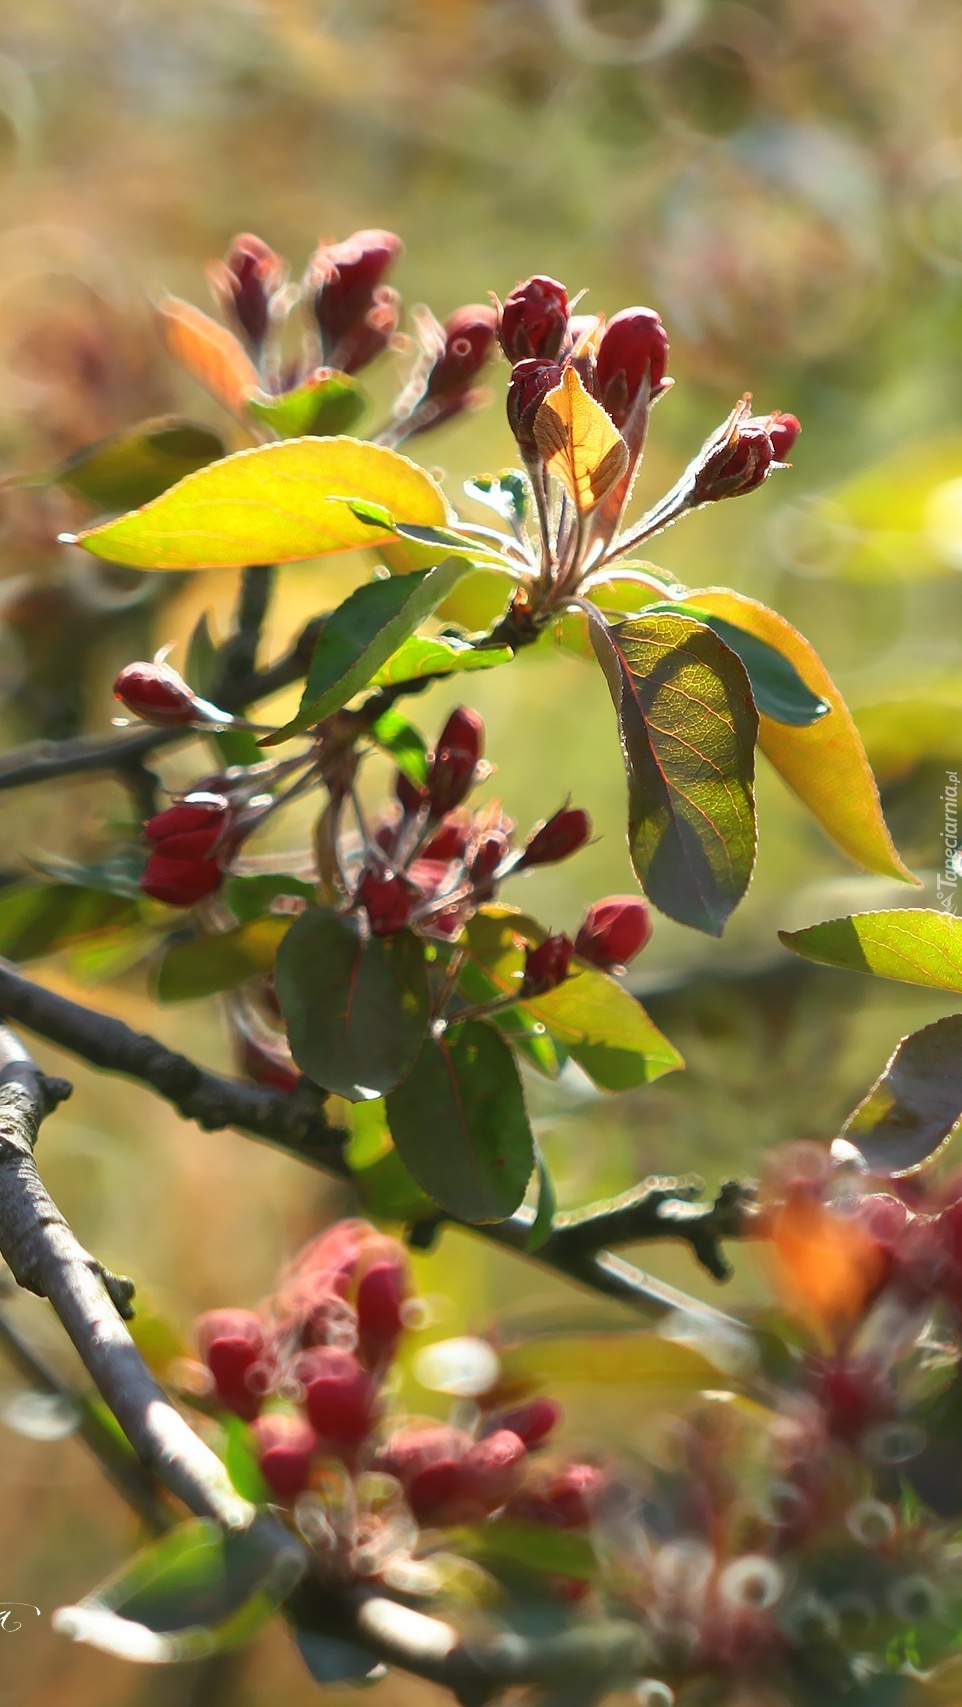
(239, 655)
(295, 1122)
(45, 1257)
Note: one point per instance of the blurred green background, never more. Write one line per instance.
(783, 181)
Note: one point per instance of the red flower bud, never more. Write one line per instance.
(459, 748)
(562, 835)
(339, 1395)
(381, 1294)
(344, 278)
(326, 1265)
(534, 319)
(783, 430)
(634, 343)
(231, 1343)
(449, 842)
(244, 285)
(739, 463)
(469, 335)
(389, 899)
(532, 1422)
(528, 387)
(614, 931)
(157, 694)
(447, 1476)
(182, 868)
(371, 334)
(180, 882)
(285, 1446)
(852, 1393)
(266, 1062)
(546, 966)
(564, 1499)
(488, 855)
(412, 795)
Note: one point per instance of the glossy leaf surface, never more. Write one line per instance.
(688, 727)
(276, 503)
(327, 403)
(914, 945)
(131, 467)
(361, 635)
(356, 1006)
(460, 1125)
(580, 444)
(824, 763)
(912, 1108)
(198, 1590)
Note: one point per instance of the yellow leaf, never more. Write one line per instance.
(824, 762)
(208, 352)
(581, 447)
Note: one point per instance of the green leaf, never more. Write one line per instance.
(644, 1360)
(198, 1590)
(136, 465)
(480, 983)
(688, 727)
(361, 635)
(777, 687)
(250, 897)
(460, 1125)
(508, 493)
(39, 919)
(240, 1461)
(397, 736)
(431, 543)
(325, 404)
(594, 1019)
(208, 964)
(537, 1546)
(118, 874)
(911, 1110)
(541, 1226)
(386, 1189)
(277, 503)
(914, 945)
(329, 1660)
(419, 656)
(357, 1006)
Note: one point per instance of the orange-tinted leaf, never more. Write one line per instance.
(826, 1265)
(208, 352)
(824, 762)
(581, 446)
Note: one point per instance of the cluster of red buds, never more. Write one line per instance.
(246, 286)
(192, 843)
(309, 1371)
(355, 312)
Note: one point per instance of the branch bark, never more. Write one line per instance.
(45, 1256)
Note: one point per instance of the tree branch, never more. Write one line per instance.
(661, 1208)
(45, 761)
(239, 655)
(295, 1122)
(45, 1257)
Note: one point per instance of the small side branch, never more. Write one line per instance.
(295, 1121)
(45, 1256)
(661, 1208)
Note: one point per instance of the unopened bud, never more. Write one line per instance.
(157, 694)
(412, 795)
(460, 746)
(231, 1343)
(382, 1292)
(469, 335)
(488, 855)
(782, 429)
(532, 1422)
(561, 836)
(534, 319)
(244, 285)
(528, 387)
(614, 931)
(183, 867)
(339, 1395)
(634, 345)
(449, 842)
(564, 1499)
(285, 1446)
(736, 459)
(389, 899)
(546, 966)
(344, 278)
